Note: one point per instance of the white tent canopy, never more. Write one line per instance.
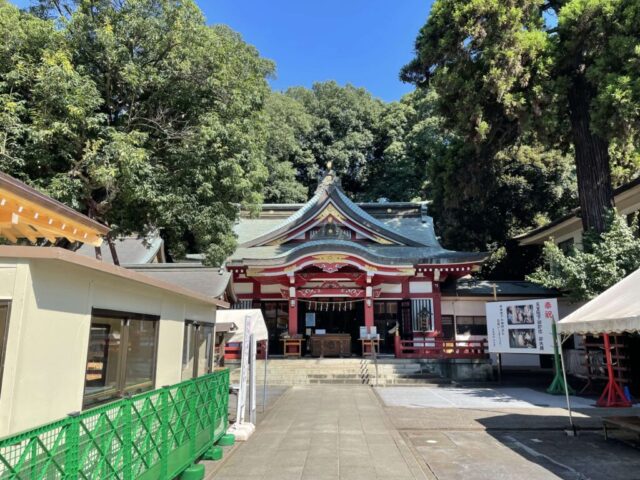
(237, 317)
(616, 310)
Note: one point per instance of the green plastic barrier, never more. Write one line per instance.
(154, 435)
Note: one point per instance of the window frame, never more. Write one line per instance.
(475, 322)
(386, 315)
(448, 321)
(430, 306)
(196, 328)
(567, 246)
(121, 389)
(4, 340)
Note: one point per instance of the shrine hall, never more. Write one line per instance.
(335, 269)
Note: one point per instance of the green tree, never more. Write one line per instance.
(137, 113)
(344, 131)
(582, 274)
(477, 204)
(288, 155)
(402, 149)
(557, 68)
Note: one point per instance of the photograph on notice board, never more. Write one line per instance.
(520, 315)
(522, 338)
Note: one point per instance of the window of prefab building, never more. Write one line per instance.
(141, 355)
(121, 356)
(4, 333)
(205, 342)
(188, 354)
(471, 325)
(197, 350)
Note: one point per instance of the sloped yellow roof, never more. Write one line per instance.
(27, 213)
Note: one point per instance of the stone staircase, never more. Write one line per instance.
(350, 371)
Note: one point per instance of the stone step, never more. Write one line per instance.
(370, 381)
(356, 371)
(366, 378)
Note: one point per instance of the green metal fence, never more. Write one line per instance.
(154, 435)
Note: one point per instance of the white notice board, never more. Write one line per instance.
(521, 326)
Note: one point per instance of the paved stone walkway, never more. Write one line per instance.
(479, 398)
(328, 432)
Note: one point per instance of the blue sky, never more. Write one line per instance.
(362, 42)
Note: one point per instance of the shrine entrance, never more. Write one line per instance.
(326, 316)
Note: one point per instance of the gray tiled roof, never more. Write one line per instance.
(405, 223)
(484, 288)
(206, 280)
(249, 228)
(391, 254)
(131, 250)
(330, 191)
(413, 227)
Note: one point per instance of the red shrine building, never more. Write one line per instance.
(335, 267)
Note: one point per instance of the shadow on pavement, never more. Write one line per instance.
(543, 441)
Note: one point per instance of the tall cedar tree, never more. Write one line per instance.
(564, 69)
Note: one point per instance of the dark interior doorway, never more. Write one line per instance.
(386, 316)
(276, 318)
(333, 315)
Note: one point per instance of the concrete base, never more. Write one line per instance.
(241, 431)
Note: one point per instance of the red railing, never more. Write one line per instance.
(233, 351)
(440, 348)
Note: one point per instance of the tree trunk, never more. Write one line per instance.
(112, 248)
(592, 158)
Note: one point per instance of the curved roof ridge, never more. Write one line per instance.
(386, 253)
(370, 218)
(329, 191)
(291, 218)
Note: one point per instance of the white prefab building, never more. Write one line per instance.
(76, 332)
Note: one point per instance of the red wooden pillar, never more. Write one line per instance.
(368, 313)
(368, 305)
(437, 309)
(293, 311)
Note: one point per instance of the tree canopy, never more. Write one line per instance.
(584, 273)
(560, 73)
(137, 113)
(144, 117)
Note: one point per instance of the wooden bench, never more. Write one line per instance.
(631, 423)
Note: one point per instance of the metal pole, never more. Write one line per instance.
(495, 299)
(375, 359)
(244, 367)
(566, 385)
(264, 386)
(252, 380)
